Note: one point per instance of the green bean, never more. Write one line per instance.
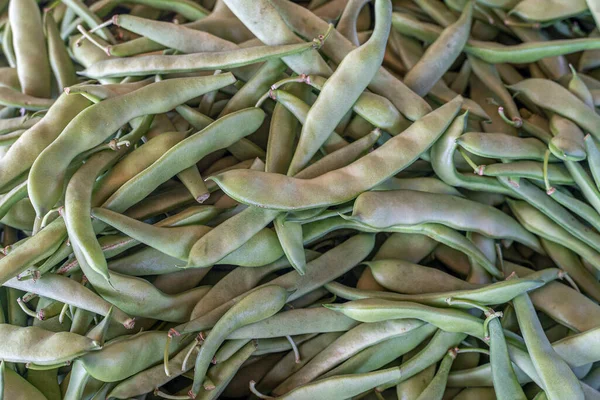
(25, 150)
(492, 52)
(425, 184)
(258, 305)
(229, 236)
(406, 277)
(372, 310)
(60, 62)
(15, 195)
(433, 352)
(540, 224)
(289, 234)
(557, 377)
(438, 58)
(570, 263)
(435, 389)
(16, 387)
(505, 381)
(552, 210)
(347, 345)
(593, 154)
(502, 146)
(344, 386)
(577, 312)
(542, 92)
(7, 47)
(530, 170)
(178, 37)
(437, 232)
(179, 157)
(442, 161)
(356, 249)
(488, 73)
(276, 33)
(33, 250)
(70, 292)
(497, 293)
(300, 110)
(406, 207)
(337, 47)
(30, 48)
(124, 357)
(36, 345)
(326, 113)
(46, 382)
(63, 150)
(556, 9)
(238, 282)
(167, 64)
(289, 364)
(340, 185)
(89, 17)
(153, 377)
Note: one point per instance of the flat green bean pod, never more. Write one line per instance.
(344, 386)
(124, 357)
(347, 345)
(373, 310)
(37, 345)
(541, 225)
(337, 47)
(344, 184)
(351, 78)
(442, 161)
(557, 173)
(241, 123)
(68, 291)
(557, 377)
(165, 64)
(296, 322)
(407, 207)
(546, 94)
(502, 146)
(257, 306)
(405, 277)
(496, 293)
(492, 52)
(30, 50)
(438, 57)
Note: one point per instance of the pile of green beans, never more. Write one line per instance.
(319, 199)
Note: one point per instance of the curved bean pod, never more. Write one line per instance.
(373, 310)
(257, 306)
(344, 184)
(331, 104)
(557, 377)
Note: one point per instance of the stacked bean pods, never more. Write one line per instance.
(327, 199)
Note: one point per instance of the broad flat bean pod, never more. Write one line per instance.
(166, 64)
(37, 345)
(344, 184)
(407, 207)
